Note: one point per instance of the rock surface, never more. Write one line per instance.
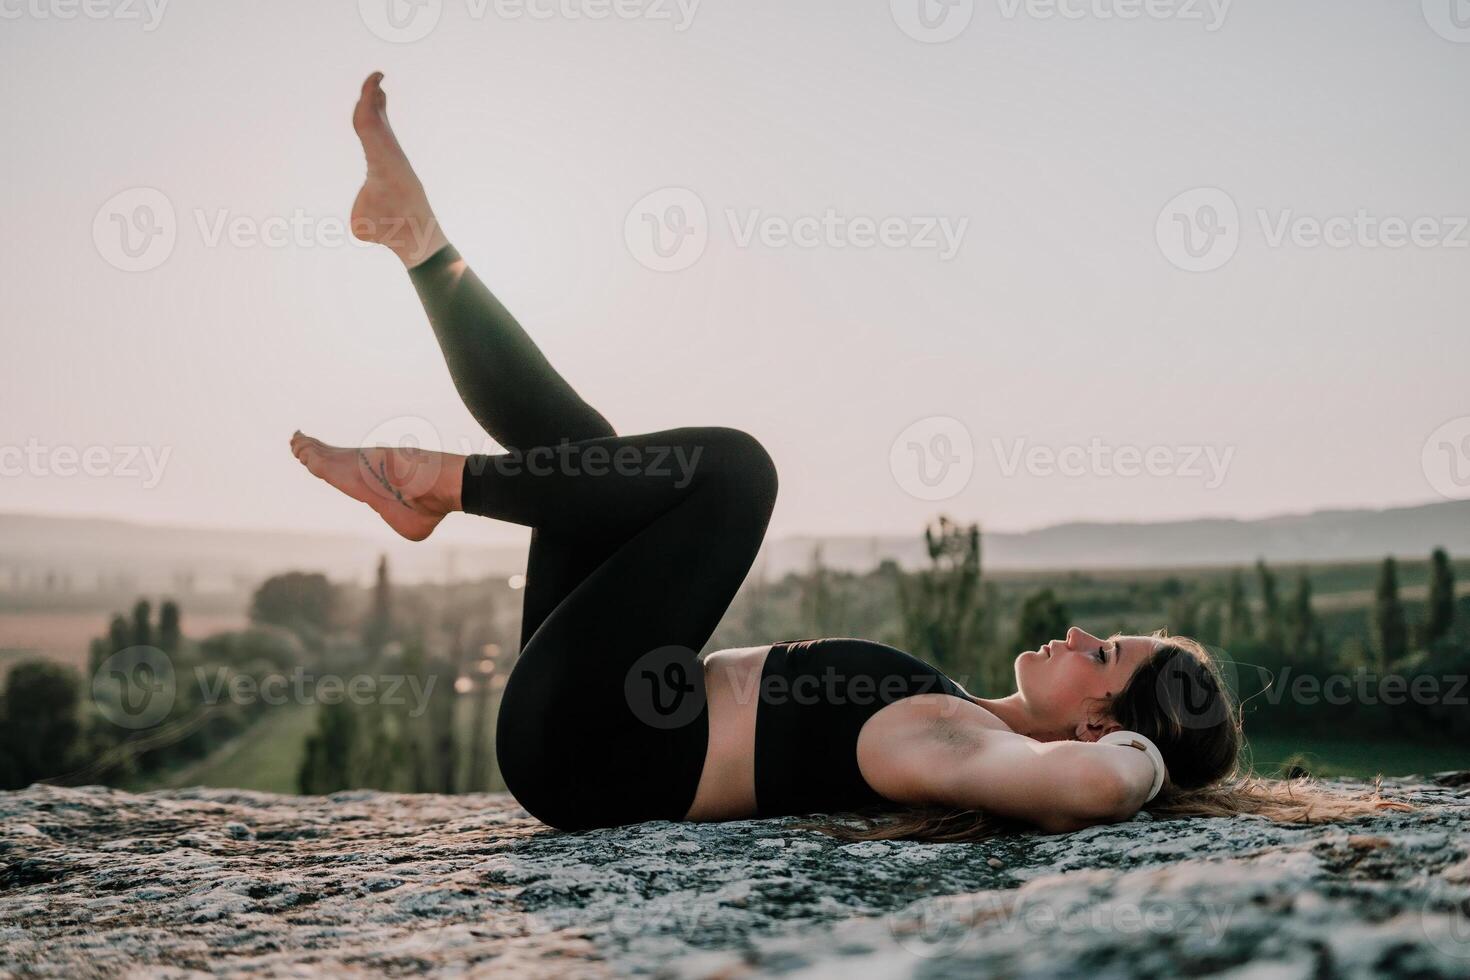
(97, 882)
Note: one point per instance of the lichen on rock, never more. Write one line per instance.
(95, 882)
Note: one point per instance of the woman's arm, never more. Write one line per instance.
(1057, 786)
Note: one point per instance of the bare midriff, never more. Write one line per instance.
(732, 687)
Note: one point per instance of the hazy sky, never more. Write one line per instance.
(1067, 320)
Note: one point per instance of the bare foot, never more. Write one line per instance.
(411, 489)
(392, 208)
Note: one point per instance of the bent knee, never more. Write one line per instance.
(742, 460)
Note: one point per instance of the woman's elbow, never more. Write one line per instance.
(1098, 796)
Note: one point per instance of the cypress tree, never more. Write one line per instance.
(169, 633)
(1441, 597)
(1238, 625)
(143, 623)
(380, 618)
(1272, 632)
(1303, 634)
(1389, 622)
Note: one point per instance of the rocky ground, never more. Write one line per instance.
(95, 882)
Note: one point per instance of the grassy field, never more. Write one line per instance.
(265, 757)
(1331, 756)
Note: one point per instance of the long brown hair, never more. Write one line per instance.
(1178, 699)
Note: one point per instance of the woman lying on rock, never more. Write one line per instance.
(640, 543)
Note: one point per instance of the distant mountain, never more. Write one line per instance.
(95, 553)
(1328, 535)
(111, 555)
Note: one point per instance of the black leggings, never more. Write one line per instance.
(638, 545)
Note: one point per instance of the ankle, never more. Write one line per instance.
(445, 495)
(418, 241)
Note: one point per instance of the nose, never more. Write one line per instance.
(1080, 637)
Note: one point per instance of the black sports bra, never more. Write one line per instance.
(815, 696)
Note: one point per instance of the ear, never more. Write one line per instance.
(1095, 728)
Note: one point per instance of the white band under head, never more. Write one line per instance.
(1149, 749)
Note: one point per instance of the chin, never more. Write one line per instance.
(1024, 664)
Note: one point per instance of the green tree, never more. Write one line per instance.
(303, 601)
(1212, 623)
(39, 730)
(142, 623)
(1273, 632)
(1390, 625)
(1239, 626)
(942, 608)
(1303, 631)
(169, 633)
(821, 607)
(1043, 618)
(334, 752)
(379, 626)
(1184, 616)
(1441, 616)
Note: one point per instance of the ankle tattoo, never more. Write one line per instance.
(381, 475)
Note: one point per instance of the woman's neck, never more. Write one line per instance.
(1011, 710)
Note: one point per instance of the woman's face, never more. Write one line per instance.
(1064, 683)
